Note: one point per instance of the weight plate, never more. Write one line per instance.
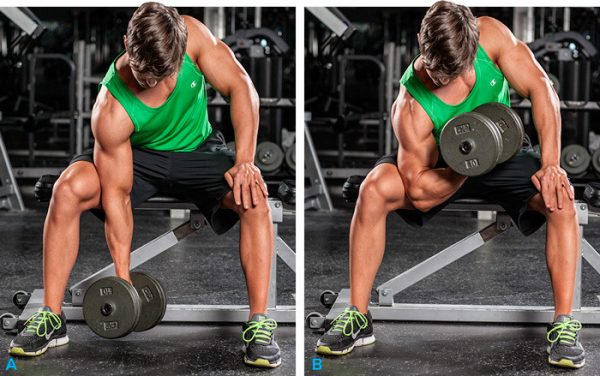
(596, 161)
(20, 299)
(470, 144)
(153, 299)
(575, 159)
(509, 124)
(111, 307)
(269, 157)
(290, 157)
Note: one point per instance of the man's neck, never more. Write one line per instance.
(154, 96)
(456, 91)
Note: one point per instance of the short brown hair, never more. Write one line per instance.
(448, 39)
(156, 41)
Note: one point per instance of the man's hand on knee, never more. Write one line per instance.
(247, 184)
(553, 184)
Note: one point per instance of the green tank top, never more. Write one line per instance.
(490, 86)
(180, 124)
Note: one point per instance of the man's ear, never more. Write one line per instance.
(125, 41)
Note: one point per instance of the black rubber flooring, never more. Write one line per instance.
(509, 270)
(202, 269)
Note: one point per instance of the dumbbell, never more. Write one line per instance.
(290, 157)
(596, 161)
(575, 159)
(591, 194)
(43, 187)
(351, 188)
(113, 308)
(473, 143)
(269, 157)
(287, 191)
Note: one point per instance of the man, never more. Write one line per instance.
(465, 62)
(151, 130)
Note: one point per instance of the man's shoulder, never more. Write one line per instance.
(107, 109)
(493, 36)
(408, 110)
(199, 37)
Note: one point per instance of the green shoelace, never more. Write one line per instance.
(566, 332)
(38, 323)
(261, 330)
(346, 320)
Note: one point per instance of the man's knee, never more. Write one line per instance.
(69, 192)
(567, 213)
(370, 191)
(373, 196)
(260, 209)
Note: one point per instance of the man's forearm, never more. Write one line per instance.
(545, 106)
(433, 187)
(245, 106)
(118, 227)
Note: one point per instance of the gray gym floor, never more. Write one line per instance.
(509, 270)
(204, 268)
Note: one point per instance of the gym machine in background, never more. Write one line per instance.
(50, 85)
(568, 57)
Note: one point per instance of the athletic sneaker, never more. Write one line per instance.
(42, 330)
(348, 330)
(564, 349)
(260, 348)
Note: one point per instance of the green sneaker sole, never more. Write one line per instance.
(262, 363)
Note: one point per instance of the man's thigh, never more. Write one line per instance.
(510, 186)
(199, 177)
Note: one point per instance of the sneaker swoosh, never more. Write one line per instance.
(48, 335)
(354, 335)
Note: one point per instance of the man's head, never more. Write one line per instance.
(155, 42)
(448, 41)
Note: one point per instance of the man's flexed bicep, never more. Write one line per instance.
(417, 150)
(113, 160)
(418, 154)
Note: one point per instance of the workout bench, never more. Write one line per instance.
(176, 312)
(386, 309)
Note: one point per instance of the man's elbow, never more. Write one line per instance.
(422, 205)
(417, 198)
(244, 88)
(251, 89)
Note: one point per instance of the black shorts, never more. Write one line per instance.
(196, 176)
(508, 185)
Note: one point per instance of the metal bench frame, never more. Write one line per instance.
(386, 309)
(183, 312)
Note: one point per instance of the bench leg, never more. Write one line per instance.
(139, 256)
(440, 260)
(184, 312)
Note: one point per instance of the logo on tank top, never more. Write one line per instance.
(193, 85)
(493, 82)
